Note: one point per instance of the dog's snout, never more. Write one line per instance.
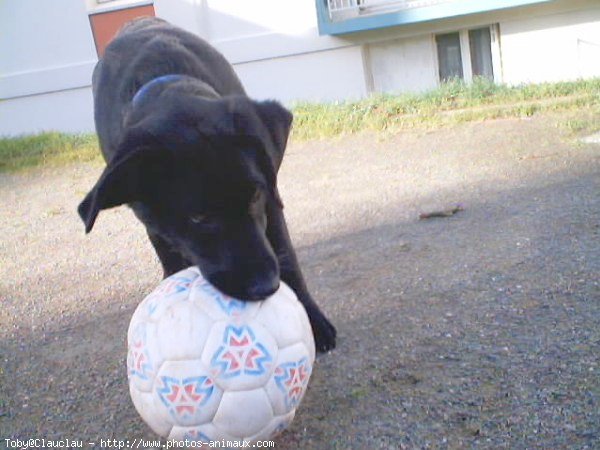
(249, 287)
(263, 288)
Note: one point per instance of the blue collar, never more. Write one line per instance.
(155, 82)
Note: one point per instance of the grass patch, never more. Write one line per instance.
(451, 103)
(582, 122)
(47, 149)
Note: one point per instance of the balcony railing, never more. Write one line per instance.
(337, 17)
(344, 9)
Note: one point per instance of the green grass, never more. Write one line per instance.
(581, 123)
(451, 103)
(47, 149)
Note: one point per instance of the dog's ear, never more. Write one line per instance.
(232, 117)
(278, 121)
(123, 181)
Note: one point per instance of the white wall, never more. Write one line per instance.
(47, 52)
(550, 42)
(187, 14)
(48, 55)
(404, 65)
(246, 31)
(68, 111)
(37, 34)
(563, 46)
(320, 76)
(275, 47)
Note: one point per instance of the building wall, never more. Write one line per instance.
(69, 111)
(46, 66)
(557, 47)
(321, 76)
(275, 47)
(48, 52)
(403, 65)
(549, 42)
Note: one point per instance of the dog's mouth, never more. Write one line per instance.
(258, 289)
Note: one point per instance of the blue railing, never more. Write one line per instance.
(347, 16)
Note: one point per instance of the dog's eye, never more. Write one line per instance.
(206, 223)
(256, 196)
(199, 218)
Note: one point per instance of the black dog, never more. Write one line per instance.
(197, 161)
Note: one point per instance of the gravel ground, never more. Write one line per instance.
(480, 330)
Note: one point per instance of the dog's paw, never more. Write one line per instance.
(324, 332)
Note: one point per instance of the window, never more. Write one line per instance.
(450, 60)
(468, 53)
(480, 43)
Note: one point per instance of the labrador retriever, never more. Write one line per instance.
(197, 162)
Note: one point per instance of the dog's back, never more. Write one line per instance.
(142, 51)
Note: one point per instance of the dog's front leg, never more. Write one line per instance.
(290, 273)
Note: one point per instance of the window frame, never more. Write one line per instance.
(465, 52)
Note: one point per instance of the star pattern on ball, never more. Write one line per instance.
(169, 287)
(184, 397)
(240, 353)
(192, 384)
(291, 379)
(229, 305)
(196, 436)
(138, 361)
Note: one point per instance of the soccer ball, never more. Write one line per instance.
(203, 366)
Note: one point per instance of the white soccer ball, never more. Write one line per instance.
(203, 366)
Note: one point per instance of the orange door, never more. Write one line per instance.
(106, 24)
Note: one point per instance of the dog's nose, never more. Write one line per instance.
(254, 288)
(262, 289)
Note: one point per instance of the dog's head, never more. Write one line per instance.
(201, 173)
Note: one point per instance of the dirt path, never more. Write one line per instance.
(477, 331)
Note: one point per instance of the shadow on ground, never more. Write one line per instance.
(479, 330)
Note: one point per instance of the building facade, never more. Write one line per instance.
(296, 50)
